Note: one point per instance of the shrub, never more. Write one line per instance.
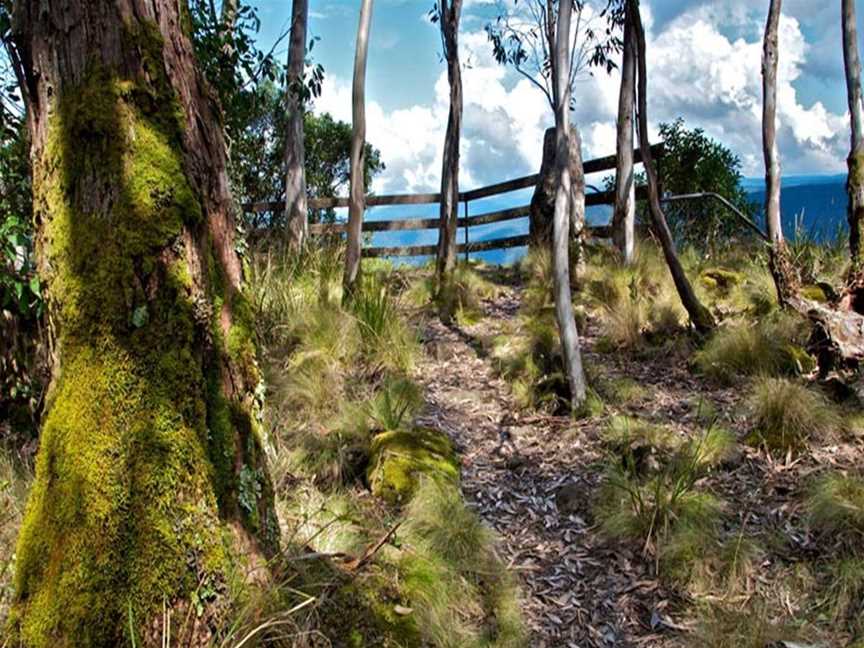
(784, 415)
(772, 347)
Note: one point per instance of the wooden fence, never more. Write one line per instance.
(466, 222)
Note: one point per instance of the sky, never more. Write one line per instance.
(704, 64)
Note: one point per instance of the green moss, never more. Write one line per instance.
(400, 458)
(135, 475)
(721, 280)
(814, 292)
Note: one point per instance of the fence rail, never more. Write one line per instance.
(466, 222)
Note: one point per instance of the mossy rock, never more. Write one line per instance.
(399, 458)
(721, 280)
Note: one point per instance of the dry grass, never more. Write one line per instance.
(785, 415)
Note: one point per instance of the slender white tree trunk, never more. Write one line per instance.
(700, 316)
(449, 12)
(571, 352)
(357, 197)
(296, 214)
(855, 162)
(624, 214)
(780, 265)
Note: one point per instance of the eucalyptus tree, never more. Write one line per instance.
(700, 316)
(523, 36)
(151, 480)
(447, 13)
(564, 196)
(296, 217)
(855, 161)
(357, 196)
(624, 208)
(779, 261)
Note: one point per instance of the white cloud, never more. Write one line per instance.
(695, 71)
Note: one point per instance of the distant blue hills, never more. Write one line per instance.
(810, 204)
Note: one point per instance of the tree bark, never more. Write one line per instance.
(357, 196)
(700, 316)
(624, 210)
(449, 12)
(151, 477)
(780, 264)
(570, 350)
(855, 162)
(296, 212)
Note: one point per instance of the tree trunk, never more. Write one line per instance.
(542, 210)
(151, 476)
(449, 12)
(624, 211)
(561, 224)
(700, 316)
(855, 162)
(779, 262)
(296, 213)
(357, 197)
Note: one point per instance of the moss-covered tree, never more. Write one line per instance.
(855, 161)
(151, 489)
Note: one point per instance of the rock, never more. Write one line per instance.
(399, 458)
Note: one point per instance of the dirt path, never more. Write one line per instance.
(531, 477)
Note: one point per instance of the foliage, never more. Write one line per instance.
(784, 415)
(520, 37)
(695, 163)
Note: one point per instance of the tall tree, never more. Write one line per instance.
(357, 197)
(447, 13)
(524, 36)
(780, 264)
(571, 352)
(151, 475)
(700, 316)
(855, 161)
(295, 152)
(624, 210)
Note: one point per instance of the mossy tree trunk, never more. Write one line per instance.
(780, 263)
(855, 181)
(357, 193)
(151, 480)
(700, 316)
(448, 13)
(296, 212)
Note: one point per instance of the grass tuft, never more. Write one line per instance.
(772, 347)
(785, 415)
(836, 505)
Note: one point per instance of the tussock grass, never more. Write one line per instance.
(651, 494)
(772, 347)
(453, 578)
(836, 505)
(637, 304)
(784, 415)
(460, 300)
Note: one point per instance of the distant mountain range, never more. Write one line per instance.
(815, 204)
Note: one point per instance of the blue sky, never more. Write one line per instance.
(704, 59)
